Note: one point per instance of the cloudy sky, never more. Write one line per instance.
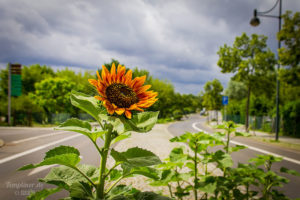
(176, 40)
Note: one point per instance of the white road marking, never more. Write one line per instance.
(39, 169)
(253, 148)
(18, 155)
(36, 137)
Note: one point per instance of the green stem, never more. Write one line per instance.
(101, 124)
(116, 165)
(196, 172)
(116, 182)
(170, 190)
(87, 178)
(100, 188)
(97, 147)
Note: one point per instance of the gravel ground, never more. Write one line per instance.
(157, 141)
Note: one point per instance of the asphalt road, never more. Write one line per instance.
(28, 145)
(292, 189)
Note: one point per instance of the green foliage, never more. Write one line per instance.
(82, 127)
(251, 62)
(212, 98)
(62, 155)
(42, 194)
(136, 157)
(53, 95)
(291, 118)
(289, 54)
(240, 182)
(236, 90)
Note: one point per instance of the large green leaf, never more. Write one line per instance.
(150, 196)
(64, 176)
(121, 192)
(223, 159)
(177, 155)
(42, 194)
(146, 171)
(136, 157)
(62, 155)
(82, 127)
(87, 103)
(82, 190)
(141, 122)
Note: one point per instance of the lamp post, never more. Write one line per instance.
(255, 22)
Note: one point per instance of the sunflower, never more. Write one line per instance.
(120, 94)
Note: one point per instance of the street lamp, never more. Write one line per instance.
(255, 22)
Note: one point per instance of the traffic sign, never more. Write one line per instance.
(16, 80)
(225, 100)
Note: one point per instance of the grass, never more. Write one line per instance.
(165, 120)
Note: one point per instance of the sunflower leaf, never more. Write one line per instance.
(87, 103)
(141, 122)
(136, 157)
(80, 126)
(42, 194)
(62, 155)
(64, 177)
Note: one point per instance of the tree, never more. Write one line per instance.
(34, 74)
(236, 90)
(53, 95)
(289, 54)
(250, 61)
(212, 98)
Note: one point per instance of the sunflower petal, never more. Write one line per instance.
(120, 111)
(121, 73)
(93, 82)
(98, 75)
(138, 82)
(100, 98)
(128, 78)
(143, 89)
(104, 74)
(113, 73)
(109, 107)
(128, 114)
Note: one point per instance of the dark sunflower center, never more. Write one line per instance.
(121, 95)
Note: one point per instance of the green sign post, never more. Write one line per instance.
(16, 80)
(14, 85)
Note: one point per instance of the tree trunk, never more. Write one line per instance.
(247, 110)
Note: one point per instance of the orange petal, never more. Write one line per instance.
(98, 75)
(120, 73)
(128, 78)
(128, 114)
(138, 82)
(110, 109)
(113, 72)
(143, 89)
(93, 82)
(100, 98)
(120, 111)
(135, 107)
(104, 73)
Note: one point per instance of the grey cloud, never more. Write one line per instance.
(173, 39)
